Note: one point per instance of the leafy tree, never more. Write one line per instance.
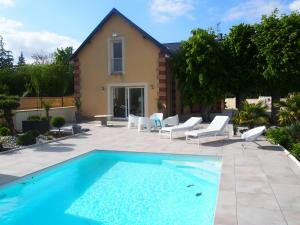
(241, 62)
(6, 58)
(7, 104)
(199, 69)
(21, 60)
(278, 42)
(63, 56)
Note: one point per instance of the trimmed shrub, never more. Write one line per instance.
(58, 122)
(5, 131)
(280, 136)
(35, 133)
(34, 118)
(26, 139)
(296, 150)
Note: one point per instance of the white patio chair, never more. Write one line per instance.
(216, 127)
(252, 135)
(171, 121)
(133, 121)
(179, 130)
(144, 124)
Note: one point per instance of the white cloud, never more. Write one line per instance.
(7, 3)
(295, 5)
(165, 10)
(252, 10)
(30, 42)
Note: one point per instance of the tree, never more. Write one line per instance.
(42, 58)
(21, 60)
(278, 43)
(241, 62)
(6, 58)
(7, 104)
(63, 56)
(200, 72)
(58, 122)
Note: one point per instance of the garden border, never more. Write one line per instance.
(289, 154)
(38, 144)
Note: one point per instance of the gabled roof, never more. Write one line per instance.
(106, 18)
(172, 47)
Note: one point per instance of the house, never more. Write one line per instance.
(120, 70)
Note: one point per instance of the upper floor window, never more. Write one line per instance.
(116, 56)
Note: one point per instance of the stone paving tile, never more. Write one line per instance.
(259, 185)
(259, 216)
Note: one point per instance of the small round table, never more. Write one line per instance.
(103, 119)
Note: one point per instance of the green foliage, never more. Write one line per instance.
(252, 114)
(294, 131)
(279, 136)
(241, 62)
(289, 111)
(21, 60)
(7, 104)
(34, 118)
(78, 104)
(198, 66)
(47, 106)
(5, 131)
(34, 133)
(26, 139)
(58, 122)
(296, 150)
(6, 58)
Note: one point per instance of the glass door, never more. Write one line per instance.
(119, 102)
(136, 101)
(128, 100)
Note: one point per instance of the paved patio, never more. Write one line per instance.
(259, 186)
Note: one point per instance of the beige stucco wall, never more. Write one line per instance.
(141, 66)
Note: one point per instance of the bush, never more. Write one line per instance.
(5, 131)
(296, 150)
(58, 122)
(280, 136)
(34, 118)
(26, 139)
(34, 133)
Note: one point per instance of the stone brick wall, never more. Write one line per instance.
(76, 78)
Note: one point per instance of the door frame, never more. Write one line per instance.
(129, 85)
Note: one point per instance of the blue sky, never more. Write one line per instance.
(35, 26)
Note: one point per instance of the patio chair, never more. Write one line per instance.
(144, 124)
(133, 121)
(170, 121)
(252, 134)
(156, 120)
(216, 127)
(179, 130)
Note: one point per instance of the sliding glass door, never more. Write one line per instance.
(128, 100)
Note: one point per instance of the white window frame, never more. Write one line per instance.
(110, 53)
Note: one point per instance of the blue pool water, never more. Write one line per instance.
(116, 188)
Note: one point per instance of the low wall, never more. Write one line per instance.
(67, 112)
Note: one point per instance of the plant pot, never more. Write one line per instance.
(41, 126)
(78, 117)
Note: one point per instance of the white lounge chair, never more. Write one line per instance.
(133, 121)
(179, 130)
(252, 135)
(144, 124)
(216, 127)
(171, 121)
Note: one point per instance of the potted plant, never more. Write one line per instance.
(78, 103)
(35, 122)
(58, 122)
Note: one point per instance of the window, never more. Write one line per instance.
(116, 57)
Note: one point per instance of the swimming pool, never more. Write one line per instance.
(116, 188)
